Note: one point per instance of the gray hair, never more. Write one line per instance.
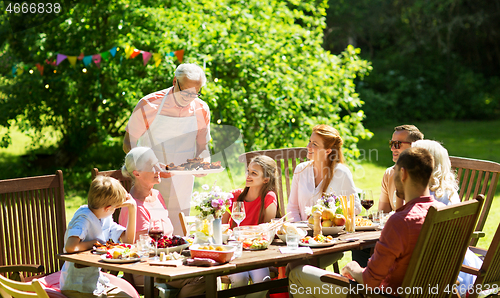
(135, 159)
(191, 71)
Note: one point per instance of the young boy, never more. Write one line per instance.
(94, 222)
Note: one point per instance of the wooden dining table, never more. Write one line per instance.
(248, 261)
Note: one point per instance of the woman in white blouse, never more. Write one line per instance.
(325, 172)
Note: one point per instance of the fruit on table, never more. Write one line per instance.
(327, 214)
(327, 223)
(339, 220)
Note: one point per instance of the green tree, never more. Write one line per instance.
(267, 72)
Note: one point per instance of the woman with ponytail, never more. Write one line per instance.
(325, 172)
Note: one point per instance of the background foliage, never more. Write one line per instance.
(432, 59)
(268, 74)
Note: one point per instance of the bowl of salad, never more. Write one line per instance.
(255, 237)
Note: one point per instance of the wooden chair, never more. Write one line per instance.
(439, 252)
(32, 226)
(16, 289)
(488, 275)
(286, 159)
(477, 177)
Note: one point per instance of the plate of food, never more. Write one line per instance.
(317, 241)
(120, 255)
(364, 224)
(104, 258)
(104, 248)
(168, 244)
(195, 166)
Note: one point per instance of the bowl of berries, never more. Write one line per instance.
(168, 244)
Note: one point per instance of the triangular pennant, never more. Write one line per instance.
(40, 68)
(128, 51)
(180, 55)
(135, 53)
(171, 54)
(60, 58)
(113, 51)
(20, 71)
(72, 60)
(97, 59)
(146, 56)
(105, 56)
(157, 59)
(87, 60)
(81, 56)
(14, 70)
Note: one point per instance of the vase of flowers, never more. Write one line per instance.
(211, 205)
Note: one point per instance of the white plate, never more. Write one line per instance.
(120, 261)
(329, 230)
(317, 244)
(192, 172)
(105, 250)
(178, 248)
(367, 228)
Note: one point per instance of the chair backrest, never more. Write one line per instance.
(10, 288)
(117, 174)
(477, 177)
(33, 221)
(490, 270)
(441, 246)
(286, 159)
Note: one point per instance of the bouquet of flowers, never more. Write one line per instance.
(213, 203)
(327, 201)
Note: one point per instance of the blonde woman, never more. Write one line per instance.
(443, 184)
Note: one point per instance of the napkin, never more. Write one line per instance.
(301, 249)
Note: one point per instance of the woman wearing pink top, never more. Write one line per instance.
(142, 166)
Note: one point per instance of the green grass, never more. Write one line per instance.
(474, 139)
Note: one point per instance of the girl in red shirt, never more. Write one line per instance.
(261, 205)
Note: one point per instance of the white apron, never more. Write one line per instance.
(173, 139)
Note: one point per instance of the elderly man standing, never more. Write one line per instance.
(175, 123)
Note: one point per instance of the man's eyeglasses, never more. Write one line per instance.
(397, 144)
(187, 94)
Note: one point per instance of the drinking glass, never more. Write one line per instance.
(292, 240)
(238, 212)
(145, 244)
(366, 198)
(155, 231)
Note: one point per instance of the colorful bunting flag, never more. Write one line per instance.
(171, 54)
(105, 56)
(87, 60)
(180, 55)
(128, 51)
(81, 56)
(145, 57)
(97, 59)
(157, 59)
(20, 71)
(40, 68)
(113, 51)
(60, 58)
(135, 53)
(72, 60)
(14, 70)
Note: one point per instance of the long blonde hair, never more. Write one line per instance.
(270, 170)
(442, 180)
(331, 140)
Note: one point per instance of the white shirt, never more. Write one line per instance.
(87, 227)
(445, 198)
(304, 194)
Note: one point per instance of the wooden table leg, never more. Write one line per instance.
(211, 285)
(149, 286)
